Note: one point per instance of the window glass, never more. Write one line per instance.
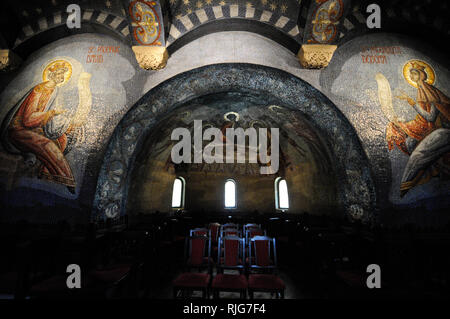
(177, 193)
(230, 194)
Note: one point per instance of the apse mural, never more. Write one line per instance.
(234, 111)
(305, 160)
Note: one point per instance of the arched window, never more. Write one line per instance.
(281, 194)
(178, 192)
(230, 194)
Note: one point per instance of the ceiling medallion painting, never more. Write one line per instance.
(326, 17)
(145, 22)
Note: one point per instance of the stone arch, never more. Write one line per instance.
(356, 191)
(234, 18)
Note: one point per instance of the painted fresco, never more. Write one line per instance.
(289, 8)
(400, 104)
(305, 160)
(58, 112)
(431, 124)
(325, 19)
(355, 191)
(39, 129)
(146, 22)
(299, 143)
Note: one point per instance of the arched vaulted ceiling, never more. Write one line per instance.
(28, 25)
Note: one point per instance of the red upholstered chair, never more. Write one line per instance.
(200, 232)
(230, 232)
(247, 226)
(198, 251)
(227, 226)
(214, 230)
(230, 258)
(251, 232)
(263, 267)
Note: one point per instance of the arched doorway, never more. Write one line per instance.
(354, 187)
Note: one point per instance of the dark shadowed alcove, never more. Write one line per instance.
(313, 133)
(305, 161)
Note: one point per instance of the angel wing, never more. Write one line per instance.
(385, 96)
(85, 99)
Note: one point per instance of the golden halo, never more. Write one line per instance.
(234, 113)
(53, 66)
(431, 75)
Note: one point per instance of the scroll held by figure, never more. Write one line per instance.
(38, 128)
(425, 138)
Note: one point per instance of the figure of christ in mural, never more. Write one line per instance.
(230, 120)
(431, 122)
(35, 127)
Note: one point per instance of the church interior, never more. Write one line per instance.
(119, 179)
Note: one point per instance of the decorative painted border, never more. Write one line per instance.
(188, 22)
(333, 21)
(355, 21)
(115, 23)
(356, 189)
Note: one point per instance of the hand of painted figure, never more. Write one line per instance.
(52, 113)
(395, 119)
(58, 111)
(405, 97)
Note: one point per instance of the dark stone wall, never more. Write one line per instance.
(344, 107)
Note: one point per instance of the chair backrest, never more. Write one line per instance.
(198, 247)
(230, 232)
(214, 230)
(252, 232)
(231, 255)
(264, 250)
(199, 232)
(247, 226)
(228, 225)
